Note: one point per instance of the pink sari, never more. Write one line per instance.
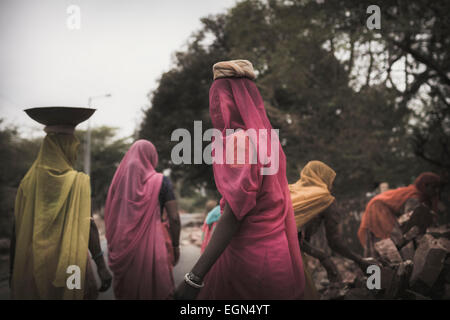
(136, 245)
(263, 259)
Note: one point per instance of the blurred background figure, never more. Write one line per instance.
(137, 246)
(379, 220)
(53, 225)
(384, 186)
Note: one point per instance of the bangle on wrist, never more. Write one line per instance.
(194, 281)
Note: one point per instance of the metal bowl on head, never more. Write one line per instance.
(50, 116)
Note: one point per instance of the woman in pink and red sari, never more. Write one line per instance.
(253, 252)
(137, 251)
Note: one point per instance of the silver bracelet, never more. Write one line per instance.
(188, 280)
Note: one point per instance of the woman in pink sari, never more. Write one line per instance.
(253, 252)
(136, 243)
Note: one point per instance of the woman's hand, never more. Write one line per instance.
(226, 228)
(176, 255)
(105, 277)
(174, 228)
(185, 292)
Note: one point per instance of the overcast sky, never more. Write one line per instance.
(121, 48)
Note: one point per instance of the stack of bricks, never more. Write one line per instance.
(416, 259)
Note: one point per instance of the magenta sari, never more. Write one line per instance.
(263, 259)
(136, 247)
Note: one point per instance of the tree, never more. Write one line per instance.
(17, 156)
(414, 37)
(328, 83)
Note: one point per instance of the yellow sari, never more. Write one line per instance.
(52, 219)
(310, 196)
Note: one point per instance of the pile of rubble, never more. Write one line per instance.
(351, 287)
(414, 264)
(415, 261)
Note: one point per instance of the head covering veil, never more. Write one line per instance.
(52, 218)
(136, 244)
(235, 103)
(311, 193)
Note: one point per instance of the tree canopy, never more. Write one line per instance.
(370, 103)
(18, 154)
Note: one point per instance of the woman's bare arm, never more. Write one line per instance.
(96, 252)
(174, 228)
(334, 238)
(174, 221)
(226, 228)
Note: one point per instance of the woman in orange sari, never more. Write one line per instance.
(380, 216)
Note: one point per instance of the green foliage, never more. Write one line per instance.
(17, 155)
(181, 98)
(346, 112)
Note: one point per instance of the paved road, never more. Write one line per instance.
(188, 257)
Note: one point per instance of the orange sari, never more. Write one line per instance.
(381, 212)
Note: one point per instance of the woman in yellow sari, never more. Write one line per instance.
(313, 204)
(53, 225)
